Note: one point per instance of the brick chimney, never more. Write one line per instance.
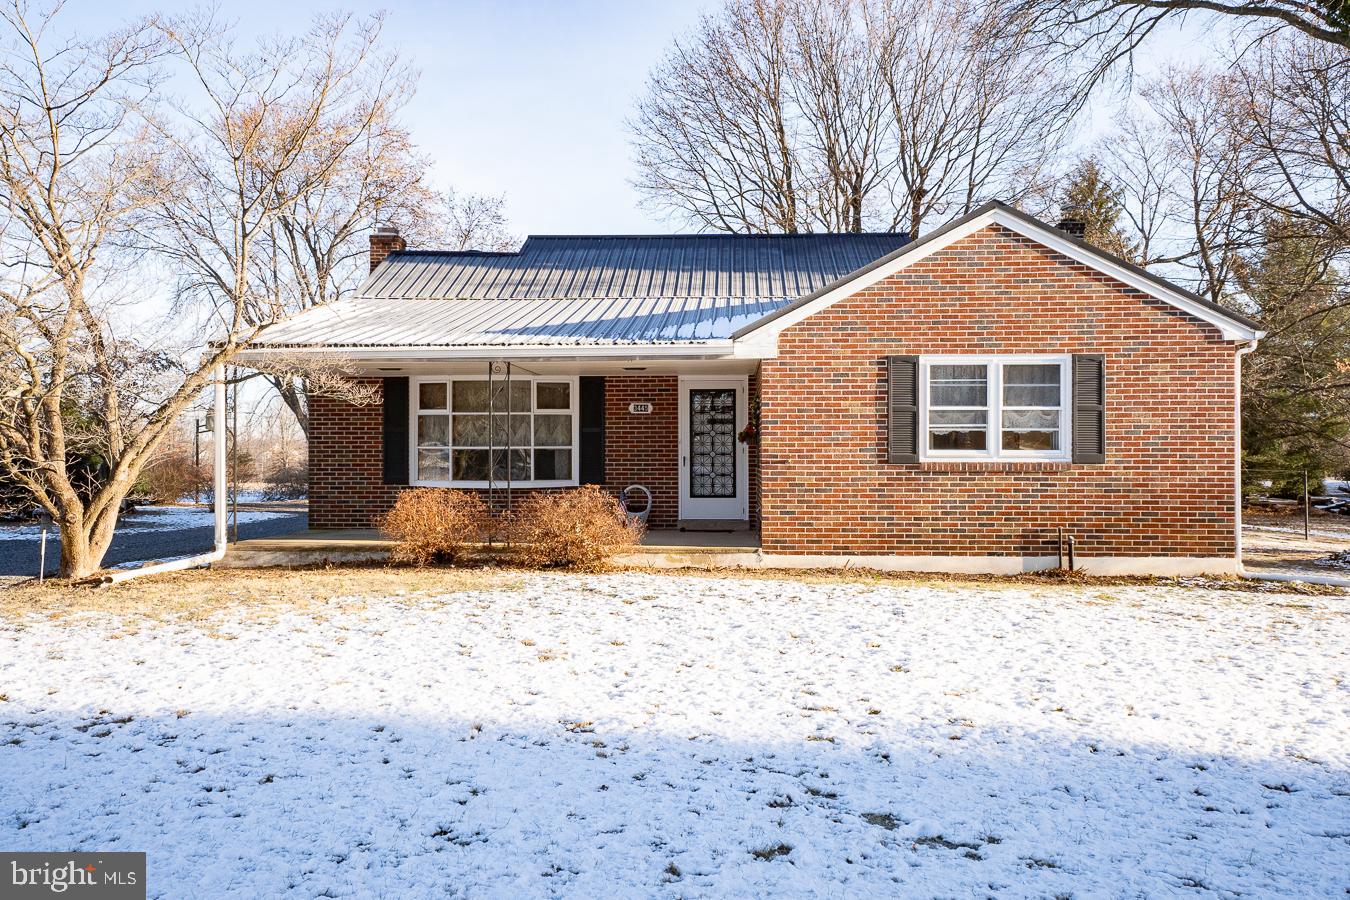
(1072, 222)
(1074, 227)
(384, 240)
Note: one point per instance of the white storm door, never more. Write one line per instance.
(714, 464)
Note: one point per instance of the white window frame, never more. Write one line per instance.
(994, 364)
(414, 409)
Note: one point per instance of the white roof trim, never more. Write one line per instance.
(766, 335)
(716, 349)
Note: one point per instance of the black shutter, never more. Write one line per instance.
(1089, 408)
(902, 405)
(396, 414)
(591, 467)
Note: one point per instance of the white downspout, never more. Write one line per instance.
(220, 489)
(219, 473)
(1237, 444)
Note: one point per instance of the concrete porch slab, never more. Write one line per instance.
(659, 548)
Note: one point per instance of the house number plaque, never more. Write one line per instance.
(640, 409)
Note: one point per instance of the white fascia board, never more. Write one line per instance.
(1048, 237)
(719, 349)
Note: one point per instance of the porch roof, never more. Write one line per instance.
(587, 291)
(389, 323)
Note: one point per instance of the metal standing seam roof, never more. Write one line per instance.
(567, 291)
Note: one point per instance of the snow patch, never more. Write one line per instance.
(635, 734)
(152, 518)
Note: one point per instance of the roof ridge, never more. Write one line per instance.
(714, 234)
(411, 252)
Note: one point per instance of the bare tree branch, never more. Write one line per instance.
(845, 115)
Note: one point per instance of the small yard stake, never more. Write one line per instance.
(42, 556)
(1070, 553)
(1305, 504)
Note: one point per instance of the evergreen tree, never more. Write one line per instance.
(1296, 386)
(1092, 199)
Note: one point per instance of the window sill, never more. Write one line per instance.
(994, 465)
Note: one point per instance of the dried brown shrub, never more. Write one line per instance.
(173, 476)
(582, 528)
(433, 523)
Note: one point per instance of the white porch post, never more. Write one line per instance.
(218, 441)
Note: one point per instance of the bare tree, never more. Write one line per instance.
(81, 409)
(1138, 163)
(267, 129)
(1182, 163)
(1099, 38)
(801, 115)
(975, 114)
(1210, 191)
(467, 222)
(1208, 155)
(1292, 104)
(1121, 25)
(716, 135)
(86, 155)
(842, 99)
(315, 250)
(282, 161)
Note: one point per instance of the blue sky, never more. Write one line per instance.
(527, 99)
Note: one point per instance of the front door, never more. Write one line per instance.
(714, 465)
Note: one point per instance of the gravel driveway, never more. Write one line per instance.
(150, 533)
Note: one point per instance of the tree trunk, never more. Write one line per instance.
(77, 557)
(84, 542)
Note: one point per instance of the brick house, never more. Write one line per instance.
(956, 402)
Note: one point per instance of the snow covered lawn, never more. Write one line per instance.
(636, 734)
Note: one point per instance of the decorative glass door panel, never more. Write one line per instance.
(712, 442)
(714, 465)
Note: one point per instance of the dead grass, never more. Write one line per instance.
(202, 594)
(268, 593)
(1050, 578)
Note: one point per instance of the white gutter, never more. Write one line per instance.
(1237, 444)
(712, 349)
(219, 488)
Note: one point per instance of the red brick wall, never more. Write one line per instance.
(1167, 486)
(645, 449)
(346, 488)
(754, 454)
